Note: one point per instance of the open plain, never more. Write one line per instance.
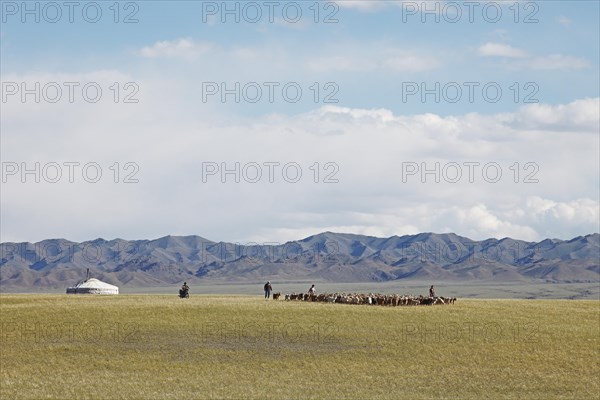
(231, 347)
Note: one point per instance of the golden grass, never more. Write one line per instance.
(163, 347)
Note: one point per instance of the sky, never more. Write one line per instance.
(269, 121)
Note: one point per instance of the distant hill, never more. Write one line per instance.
(334, 257)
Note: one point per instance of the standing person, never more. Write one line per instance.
(431, 292)
(268, 289)
(312, 290)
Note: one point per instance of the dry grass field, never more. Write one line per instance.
(242, 347)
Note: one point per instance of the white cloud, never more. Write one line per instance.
(580, 115)
(545, 213)
(381, 114)
(525, 60)
(501, 50)
(170, 138)
(481, 221)
(178, 48)
(564, 21)
(275, 62)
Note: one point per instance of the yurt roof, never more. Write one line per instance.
(95, 283)
(93, 286)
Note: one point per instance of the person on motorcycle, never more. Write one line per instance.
(184, 289)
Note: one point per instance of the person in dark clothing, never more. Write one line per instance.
(184, 291)
(431, 292)
(268, 289)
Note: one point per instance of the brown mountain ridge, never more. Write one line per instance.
(333, 257)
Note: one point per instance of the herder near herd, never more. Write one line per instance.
(353, 298)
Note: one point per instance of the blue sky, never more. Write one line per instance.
(371, 131)
(444, 51)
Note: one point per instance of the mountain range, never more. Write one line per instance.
(331, 257)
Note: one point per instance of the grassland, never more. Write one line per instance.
(162, 347)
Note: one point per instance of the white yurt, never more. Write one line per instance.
(93, 286)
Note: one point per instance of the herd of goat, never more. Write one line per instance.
(368, 299)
